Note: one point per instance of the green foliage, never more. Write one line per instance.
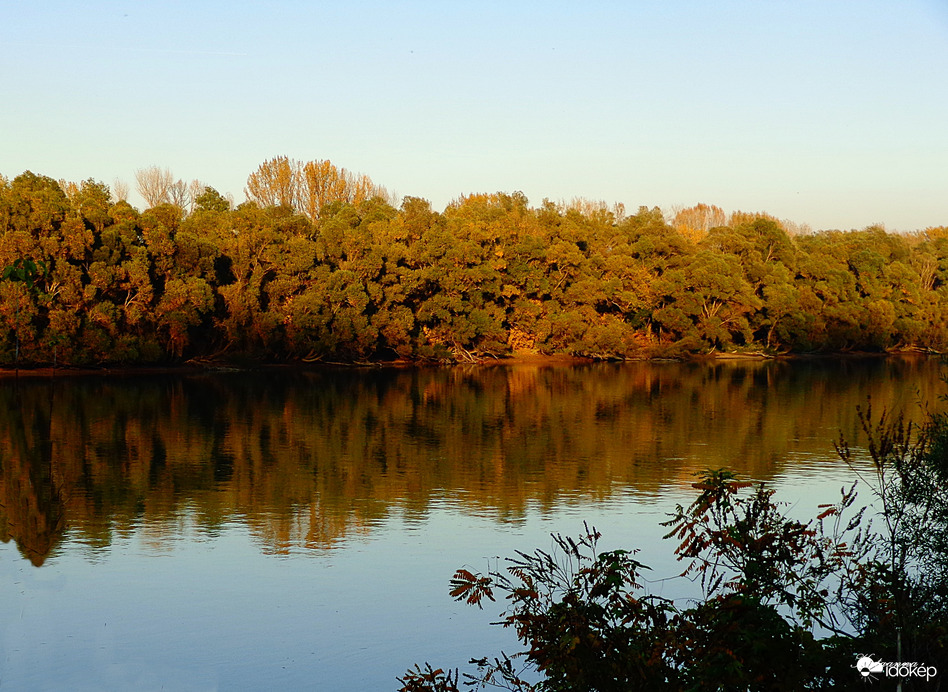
(344, 276)
(212, 201)
(24, 270)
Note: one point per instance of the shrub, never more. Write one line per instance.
(786, 605)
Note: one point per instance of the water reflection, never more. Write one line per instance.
(304, 459)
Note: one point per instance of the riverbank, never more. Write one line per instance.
(524, 358)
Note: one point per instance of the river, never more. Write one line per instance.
(297, 529)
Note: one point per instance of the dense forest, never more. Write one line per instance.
(321, 266)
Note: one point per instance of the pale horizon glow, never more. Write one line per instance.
(826, 114)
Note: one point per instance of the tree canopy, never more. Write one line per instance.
(320, 265)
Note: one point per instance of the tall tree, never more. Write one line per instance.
(695, 222)
(120, 190)
(179, 194)
(308, 187)
(275, 183)
(154, 185)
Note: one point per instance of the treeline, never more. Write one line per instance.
(320, 266)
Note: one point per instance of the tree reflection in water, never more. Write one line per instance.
(305, 458)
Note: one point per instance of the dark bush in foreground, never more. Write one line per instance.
(787, 605)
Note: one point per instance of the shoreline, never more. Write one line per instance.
(48, 372)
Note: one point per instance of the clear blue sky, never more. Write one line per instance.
(832, 113)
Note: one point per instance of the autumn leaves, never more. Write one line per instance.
(320, 265)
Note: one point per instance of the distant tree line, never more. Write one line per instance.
(320, 265)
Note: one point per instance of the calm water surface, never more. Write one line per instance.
(298, 529)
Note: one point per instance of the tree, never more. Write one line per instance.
(120, 190)
(322, 183)
(154, 185)
(36, 206)
(706, 301)
(308, 188)
(276, 182)
(179, 194)
(210, 199)
(25, 272)
(695, 222)
(182, 306)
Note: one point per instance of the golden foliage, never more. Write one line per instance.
(740, 218)
(308, 187)
(695, 222)
(276, 182)
(521, 341)
(936, 232)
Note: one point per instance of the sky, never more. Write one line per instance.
(829, 113)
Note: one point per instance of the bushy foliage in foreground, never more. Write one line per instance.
(787, 605)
